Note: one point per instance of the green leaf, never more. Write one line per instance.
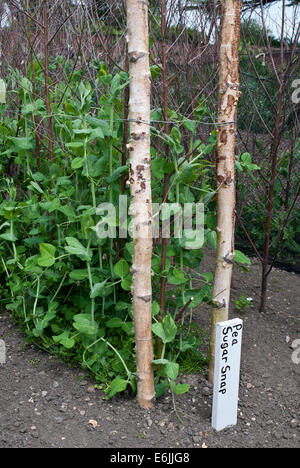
(76, 248)
(67, 211)
(191, 240)
(118, 385)
(126, 283)
(246, 161)
(75, 144)
(85, 325)
(97, 289)
(176, 277)
(169, 167)
(38, 331)
(70, 109)
(253, 167)
(33, 107)
(187, 175)
(83, 132)
(239, 257)
(155, 71)
(170, 328)
(158, 330)
(47, 255)
(212, 239)
(181, 388)
(171, 370)
(190, 125)
(116, 174)
(161, 361)
(50, 206)
(26, 85)
(246, 158)
(115, 83)
(208, 149)
(10, 212)
(77, 163)
(122, 306)
(64, 340)
(160, 389)
(22, 143)
(156, 265)
(64, 181)
(157, 168)
(166, 330)
(97, 168)
(238, 166)
(36, 186)
(155, 308)
(209, 277)
(31, 265)
(121, 269)
(79, 275)
(8, 236)
(128, 328)
(96, 133)
(116, 87)
(176, 135)
(171, 251)
(115, 322)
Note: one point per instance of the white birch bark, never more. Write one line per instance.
(225, 165)
(140, 185)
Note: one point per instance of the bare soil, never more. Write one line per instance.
(44, 403)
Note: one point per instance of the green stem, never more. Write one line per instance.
(59, 288)
(25, 315)
(13, 244)
(174, 405)
(177, 188)
(4, 266)
(36, 299)
(58, 235)
(129, 375)
(99, 247)
(88, 264)
(111, 127)
(62, 256)
(93, 193)
(163, 351)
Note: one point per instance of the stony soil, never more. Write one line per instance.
(46, 403)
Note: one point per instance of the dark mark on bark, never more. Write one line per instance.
(220, 179)
(223, 137)
(135, 56)
(145, 298)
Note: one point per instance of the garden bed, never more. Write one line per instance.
(47, 403)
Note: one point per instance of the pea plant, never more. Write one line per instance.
(67, 287)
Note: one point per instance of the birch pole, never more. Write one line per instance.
(140, 187)
(225, 165)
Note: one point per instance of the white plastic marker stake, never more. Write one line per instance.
(227, 373)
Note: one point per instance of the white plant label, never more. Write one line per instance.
(227, 373)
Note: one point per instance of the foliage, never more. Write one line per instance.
(243, 303)
(254, 214)
(68, 288)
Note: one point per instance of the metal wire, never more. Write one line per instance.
(184, 119)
